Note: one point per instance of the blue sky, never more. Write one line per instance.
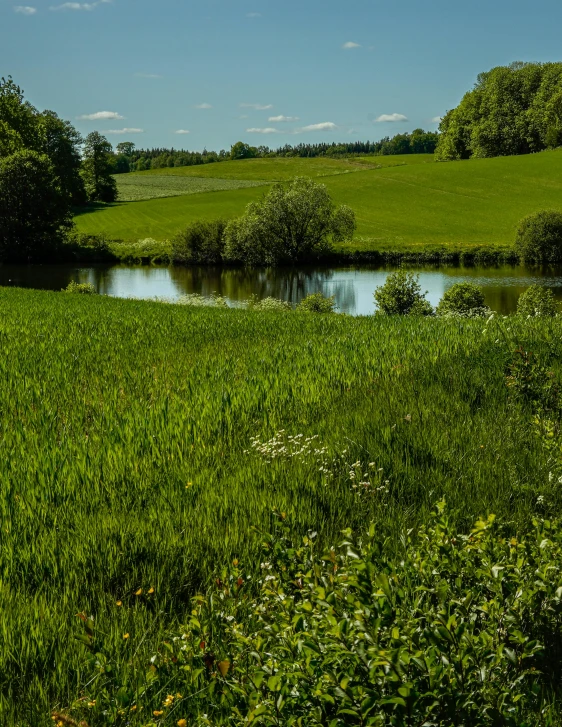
(263, 71)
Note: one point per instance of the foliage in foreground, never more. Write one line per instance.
(537, 301)
(463, 299)
(127, 430)
(458, 629)
(80, 288)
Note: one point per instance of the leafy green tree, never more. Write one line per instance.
(514, 109)
(34, 209)
(401, 295)
(97, 169)
(240, 150)
(62, 142)
(539, 237)
(200, 242)
(537, 301)
(317, 303)
(18, 123)
(463, 299)
(125, 147)
(291, 223)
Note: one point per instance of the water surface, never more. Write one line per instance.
(353, 287)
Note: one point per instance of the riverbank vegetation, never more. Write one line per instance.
(124, 495)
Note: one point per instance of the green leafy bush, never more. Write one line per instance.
(458, 630)
(537, 301)
(463, 299)
(80, 288)
(268, 304)
(539, 237)
(200, 242)
(401, 295)
(203, 301)
(292, 223)
(317, 303)
(148, 250)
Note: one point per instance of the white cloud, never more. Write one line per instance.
(101, 116)
(436, 119)
(125, 131)
(283, 119)
(148, 75)
(182, 131)
(324, 126)
(24, 10)
(204, 106)
(256, 106)
(79, 6)
(390, 117)
(350, 45)
(253, 15)
(268, 130)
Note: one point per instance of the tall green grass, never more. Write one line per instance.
(127, 461)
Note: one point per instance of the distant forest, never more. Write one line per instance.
(130, 159)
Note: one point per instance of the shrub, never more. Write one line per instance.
(317, 303)
(201, 242)
(268, 304)
(80, 288)
(459, 629)
(401, 295)
(537, 301)
(463, 299)
(292, 223)
(539, 237)
(142, 251)
(203, 301)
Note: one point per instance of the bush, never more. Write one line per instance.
(87, 248)
(203, 301)
(401, 295)
(268, 304)
(459, 629)
(292, 223)
(80, 288)
(317, 303)
(202, 242)
(142, 251)
(537, 301)
(463, 299)
(539, 237)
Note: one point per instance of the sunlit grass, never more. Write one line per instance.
(128, 475)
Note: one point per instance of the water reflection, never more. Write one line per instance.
(352, 286)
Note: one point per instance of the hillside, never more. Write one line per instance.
(406, 203)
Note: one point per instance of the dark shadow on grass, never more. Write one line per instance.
(95, 207)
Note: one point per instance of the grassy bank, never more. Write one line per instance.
(406, 206)
(129, 461)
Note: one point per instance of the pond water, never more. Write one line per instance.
(353, 287)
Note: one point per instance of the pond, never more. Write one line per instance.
(353, 287)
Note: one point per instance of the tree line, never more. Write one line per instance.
(130, 159)
(515, 109)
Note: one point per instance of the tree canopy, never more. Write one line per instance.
(514, 109)
(291, 223)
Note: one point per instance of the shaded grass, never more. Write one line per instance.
(456, 206)
(125, 425)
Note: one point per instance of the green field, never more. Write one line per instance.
(135, 187)
(127, 458)
(411, 204)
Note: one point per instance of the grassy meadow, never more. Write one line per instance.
(138, 456)
(402, 203)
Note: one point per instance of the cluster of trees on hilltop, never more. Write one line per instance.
(514, 109)
(130, 159)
